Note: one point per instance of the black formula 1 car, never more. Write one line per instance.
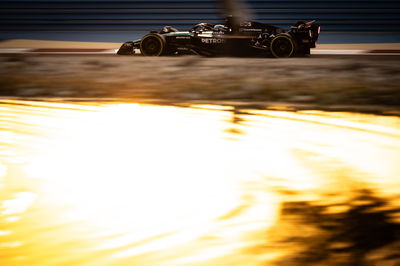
(247, 38)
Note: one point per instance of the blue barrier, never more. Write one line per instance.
(137, 16)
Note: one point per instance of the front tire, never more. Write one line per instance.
(283, 45)
(152, 44)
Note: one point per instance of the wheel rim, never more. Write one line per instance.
(282, 47)
(151, 46)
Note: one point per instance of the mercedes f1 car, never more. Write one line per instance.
(246, 38)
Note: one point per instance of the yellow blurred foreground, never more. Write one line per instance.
(128, 184)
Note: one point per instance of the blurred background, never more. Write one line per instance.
(342, 21)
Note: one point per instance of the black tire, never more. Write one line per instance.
(306, 51)
(126, 49)
(152, 44)
(283, 45)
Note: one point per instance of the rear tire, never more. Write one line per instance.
(152, 44)
(283, 45)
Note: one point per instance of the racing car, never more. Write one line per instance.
(246, 38)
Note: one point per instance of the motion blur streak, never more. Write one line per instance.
(131, 184)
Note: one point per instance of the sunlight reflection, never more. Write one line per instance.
(19, 204)
(10, 245)
(129, 167)
(5, 233)
(357, 145)
(3, 170)
(132, 184)
(12, 219)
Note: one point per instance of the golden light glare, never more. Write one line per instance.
(124, 184)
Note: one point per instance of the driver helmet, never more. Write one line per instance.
(220, 27)
(168, 29)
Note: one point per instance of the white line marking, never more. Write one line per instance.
(14, 50)
(344, 52)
